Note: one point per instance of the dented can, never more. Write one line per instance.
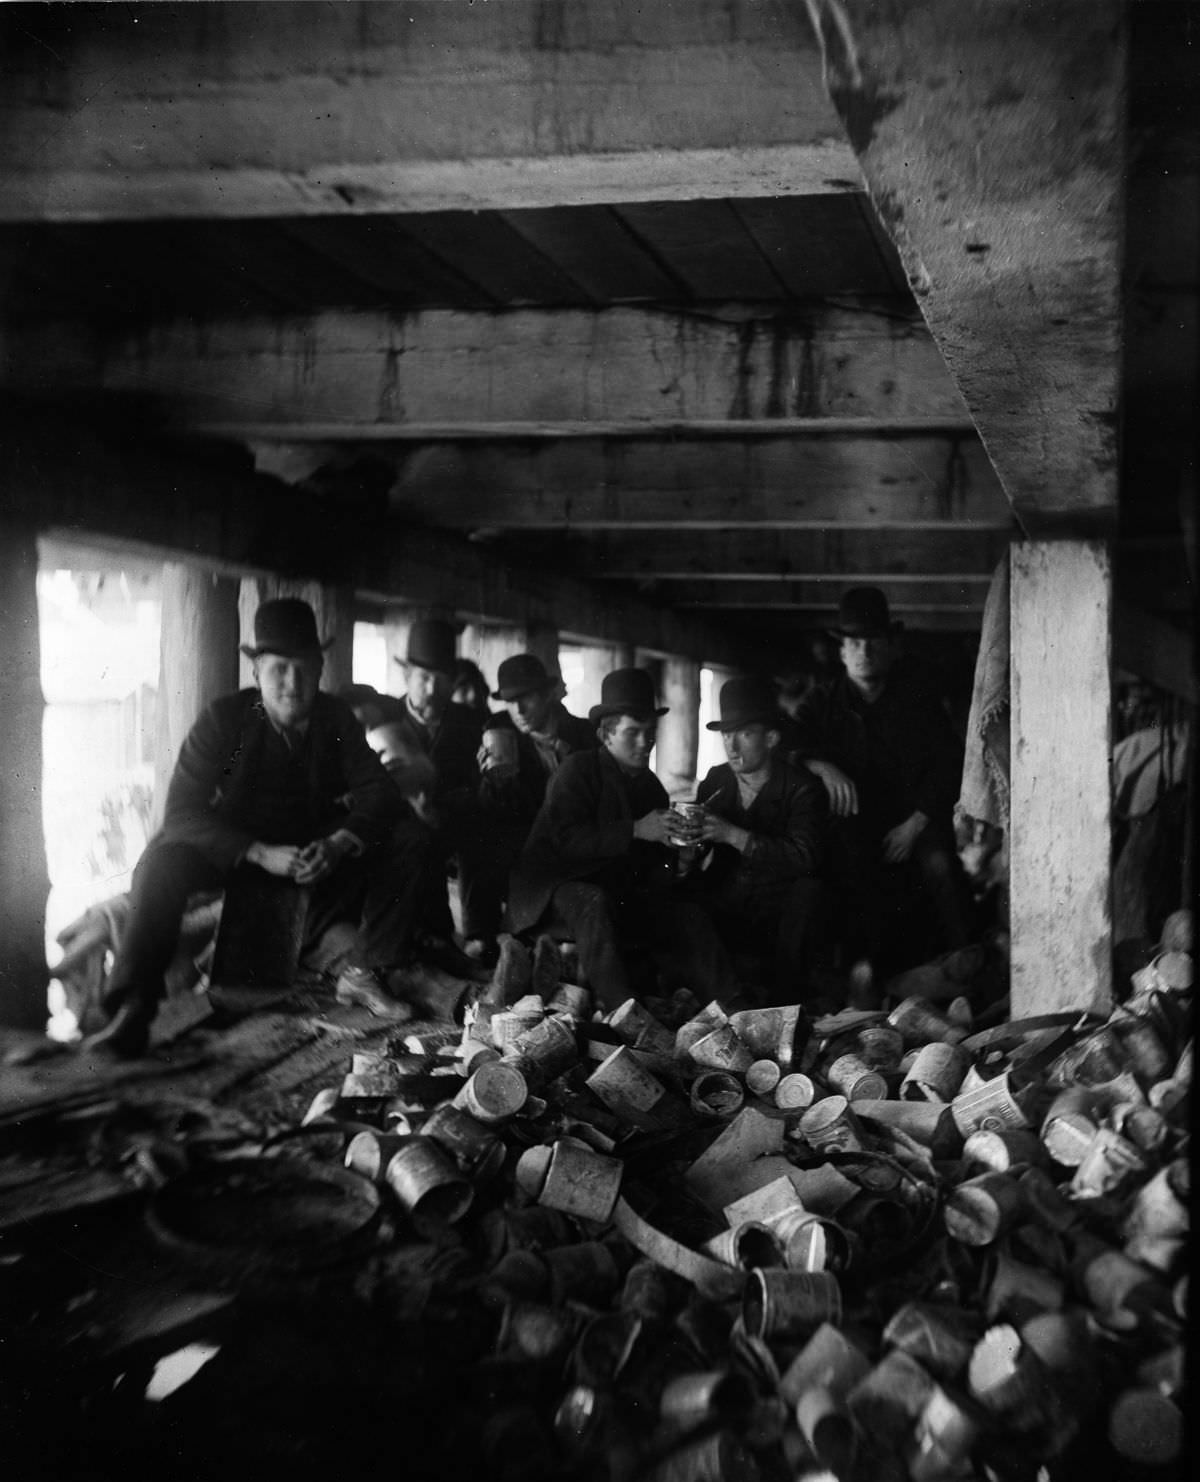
(809, 1241)
(747, 1245)
(721, 1049)
(936, 1074)
(1107, 1167)
(545, 1051)
(992, 1107)
(473, 1146)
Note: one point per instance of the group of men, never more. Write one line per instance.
(557, 824)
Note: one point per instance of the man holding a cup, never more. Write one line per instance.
(599, 863)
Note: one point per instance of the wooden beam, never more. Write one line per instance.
(183, 110)
(700, 483)
(823, 593)
(769, 555)
(438, 373)
(992, 139)
(1060, 838)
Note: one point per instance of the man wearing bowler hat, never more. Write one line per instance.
(278, 777)
(763, 829)
(599, 865)
(891, 766)
(543, 734)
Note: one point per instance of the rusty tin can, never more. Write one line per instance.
(428, 1185)
(721, 1049)
(473, 1146)
(790, 1304)
(546, 1051)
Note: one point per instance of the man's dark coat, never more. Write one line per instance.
(787, 820)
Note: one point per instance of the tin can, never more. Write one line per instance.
(1108, 1165)
(1002, 1152)
(473, 1146)
(880, 1048)
(1146, 1428)
(1174, 970)
(919, 1022)
(828, 1360)
(373, 1088)
(1098, 1058)
(1046, 1202)
(937, 1073)
(795, 1092)
(369, 1153)
(428, 1185)
(763, 1076)
(831, 1125)
(887, 1401)
(719, 1457)
(855, 1080)
(584, 1272)
(717, 1093)
(509, 1025)
(978, 1211)
(810, 1242)
(716, 1395)
(771, 1033)
(624, 1087)
(790, 1304)
(711, 1017)
(1003, 1375)
(605, 1347)
(546, 1051)
(825, 1424)
(1017, 1291)
(630, 1020)
(1119, 1289)
(646, 1292)
(1070, 1125)
(371, 1063)
(992, 1107)
(721, 1049)
(493, 1093)
(537, 1331)
(1146, 1051)
(943, 1437)
(748, 1246)
(573, 1179)
(939, 1338)
(1157, 1226)
(1143, 1126)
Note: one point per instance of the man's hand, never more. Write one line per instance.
(422, 805)
(843, 795)
(714, 830)
(657, 827)
(277, 859)
(898, 842)
(321, 858)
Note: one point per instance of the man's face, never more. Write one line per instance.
(288, 686)
(867, 660)
(631, 741)
(427, 691)
(531, 711)
(748, 748)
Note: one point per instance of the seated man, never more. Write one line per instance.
(280, 778)
(891, 764)
(766, 823)
(598, 863)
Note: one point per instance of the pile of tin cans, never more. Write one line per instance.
(722, 1245)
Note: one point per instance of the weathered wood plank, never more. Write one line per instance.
(822, 593)
(700, 483)
(363, 374)
(678, 743)
(976, 124)
(1060, 841)
(183, 110)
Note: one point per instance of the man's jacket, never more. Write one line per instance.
(786, 821)
(235, 781)
(584, 829)
(453, 748)
(516, 798)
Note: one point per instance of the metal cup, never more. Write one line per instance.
(500, 747)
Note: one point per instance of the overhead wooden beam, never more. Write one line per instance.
(768, 555)
(700, 483)
(262, 110)
(68, 481)
(991, 135)
(823, 594)
(438, 373)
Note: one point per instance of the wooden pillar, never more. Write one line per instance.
(625, 656)
(397, 621)
(598, 660)
(24, 880)
(542, 639)
(489, 644)
(1061, 832)
(198, 659)
(679, 730)
(334, 607)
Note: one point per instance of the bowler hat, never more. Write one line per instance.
(431, 645)
(863, 613)
(287, 626)
(519, 675)
(626, 692)
(746, 702)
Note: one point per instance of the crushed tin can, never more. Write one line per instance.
(711, 1017)
(937, 1073)
(994, 1106)
(777, 1034)
(919, 1022)
(1108, 1166)
(810, 1242)
(722, 1049)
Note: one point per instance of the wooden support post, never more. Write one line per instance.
(488, 644)
(334, 607)
(1060, 846)
(198, 659)
(24, 882)
(396, 623)
(679, 730)
(542, 639)
(599, 659)
(625, 656)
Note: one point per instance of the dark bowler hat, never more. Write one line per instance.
(863, 613)
(747, 702)
(287, 626)
(519, 675)
(431, 645)
(626, 692)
